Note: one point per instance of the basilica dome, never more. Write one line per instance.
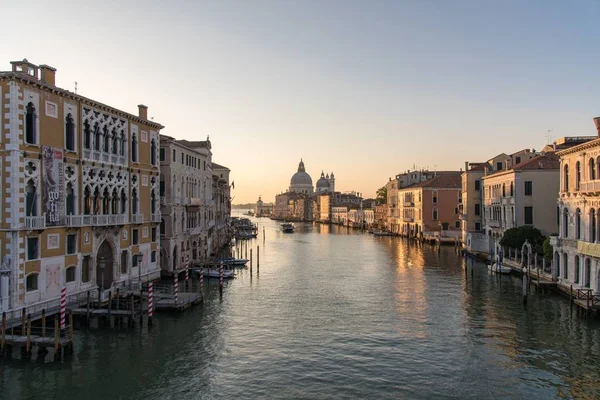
(322, 182)
(301, 182)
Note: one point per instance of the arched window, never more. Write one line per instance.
(153, 256)
(122, 148)
(70, 199)
(577, 175)
(566, 223)
(134, 151)
(162, 227)
(32, 282)
(69, 133)
(114, 202)
(435, 199)
(70, 274)
(30, 125)
(105, 202)
(587, 272)
(565, 269)
(503, 190)
(31, 207)
(97, 202)
(106, 137)
(153, 152)
(435, 214)
(182, 222)
(512, 192)
(152, 202)
(123, 202)
(161, 189)
(87, 135)
(87, 201)
(577, 269)
(578, 224)
(134, 202)
(592, 169)
(97, 135)
(593, 232)
(115, 141)
(566, 178)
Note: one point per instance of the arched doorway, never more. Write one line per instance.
(104, 276)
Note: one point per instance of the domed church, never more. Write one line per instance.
(301, 182)
(326, 183)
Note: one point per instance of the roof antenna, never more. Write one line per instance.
(75, 87)
(548, 136)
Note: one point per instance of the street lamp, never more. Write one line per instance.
(102, 265)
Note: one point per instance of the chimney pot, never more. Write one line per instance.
(597, 123)
(48, 74)
(142, 111)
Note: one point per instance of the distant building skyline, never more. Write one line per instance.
(365, 88)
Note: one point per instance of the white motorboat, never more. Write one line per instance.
(500, 269)
(214, 273)
(287, 228)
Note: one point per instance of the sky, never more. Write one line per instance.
(366, 89)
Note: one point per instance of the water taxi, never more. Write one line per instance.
(287, 227)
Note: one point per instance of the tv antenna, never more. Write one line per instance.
(548, 137)
(75, 87)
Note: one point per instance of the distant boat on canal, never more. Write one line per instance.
(382, 233)
(233, 262)
(500, 269)
(287, 227)
(214, 273)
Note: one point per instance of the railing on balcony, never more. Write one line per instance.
(589, 186)
(75, 220)
(508, 200)
(408, 219)
(409, 204)
(155, 217)
(37, 222)
(137, 218)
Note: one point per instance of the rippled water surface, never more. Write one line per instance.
(336, 314)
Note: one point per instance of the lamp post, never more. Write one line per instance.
(102, 265)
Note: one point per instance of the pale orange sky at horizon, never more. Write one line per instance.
(363, 89)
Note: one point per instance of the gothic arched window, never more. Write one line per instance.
(69, 133)
(30, 124)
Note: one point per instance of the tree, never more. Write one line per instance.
(516, 237)
(548, 249)
(382, 195)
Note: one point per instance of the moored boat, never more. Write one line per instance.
(500, 269)
(234, 262)
(214, 272)
(287, 227)
(382, 233)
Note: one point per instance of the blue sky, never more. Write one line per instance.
(362, 88)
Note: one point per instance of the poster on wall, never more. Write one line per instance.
(53, 195)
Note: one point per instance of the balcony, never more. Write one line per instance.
(508, 201)
(588, 248)
(408, 219)
(155, 217)
(589, 186)
(37, 222)
(409, 204)
(137, 218)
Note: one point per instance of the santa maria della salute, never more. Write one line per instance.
(304, 202)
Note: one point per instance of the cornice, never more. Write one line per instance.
(73, 96)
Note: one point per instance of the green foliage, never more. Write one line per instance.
(381, 195)
(548, 249)
(516, 237)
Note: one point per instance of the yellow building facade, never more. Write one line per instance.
(80, 202)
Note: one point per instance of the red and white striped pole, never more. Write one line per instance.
(175, 287)
(221, 277)
(63, 307)
(202, 280)
(187, 267)
(150, 302)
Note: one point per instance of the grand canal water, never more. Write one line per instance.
(336, 314)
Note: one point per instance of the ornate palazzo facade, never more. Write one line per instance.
(80, 204)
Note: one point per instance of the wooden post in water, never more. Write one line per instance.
(109, 308)
(23, 322)
(56, 339)
(87, 310)
(28, 341)
(251, 259)
(3, 340)
(44, 323)
(70, 332)
(132, 311)
(524, 288)
(221, 278)
(257, 256)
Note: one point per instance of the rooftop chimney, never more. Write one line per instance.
(142, 111)
(48, 74)
(597, 123)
